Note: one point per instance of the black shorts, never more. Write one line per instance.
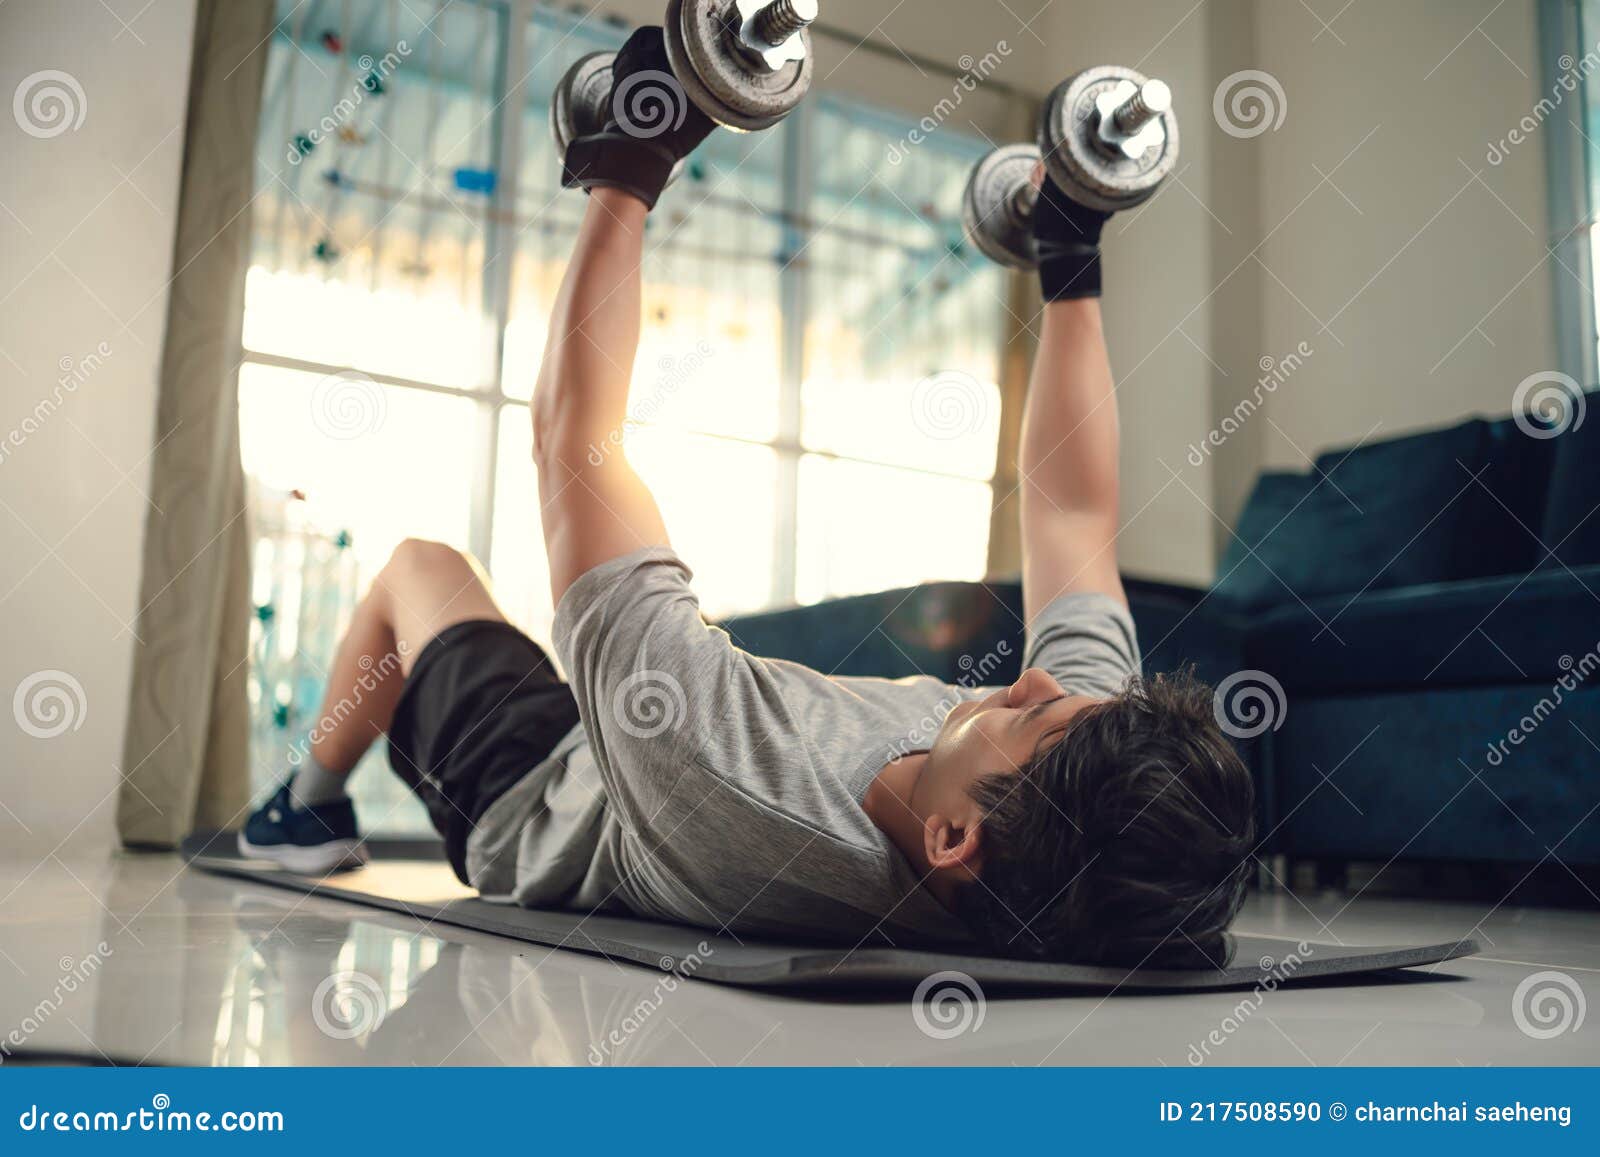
(483, 707)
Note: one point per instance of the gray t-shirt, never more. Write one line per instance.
(710, 786)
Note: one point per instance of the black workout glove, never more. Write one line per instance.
(1068, 240)
(650, 127)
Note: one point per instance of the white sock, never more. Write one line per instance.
(315, 784)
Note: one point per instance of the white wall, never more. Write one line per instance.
(86, 231)
(1417, 272)
(1426, 264)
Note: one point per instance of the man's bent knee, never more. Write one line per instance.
(422, 555)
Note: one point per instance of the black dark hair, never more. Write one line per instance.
(1125, 843)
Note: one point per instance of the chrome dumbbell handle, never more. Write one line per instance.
(1151, 100)
(770, 35)
(779, 20)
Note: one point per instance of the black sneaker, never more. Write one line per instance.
(311, 841)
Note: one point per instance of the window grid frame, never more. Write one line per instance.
(517, 23)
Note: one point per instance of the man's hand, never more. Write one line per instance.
(651, 125)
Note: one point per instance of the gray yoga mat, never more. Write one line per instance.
(428, 890)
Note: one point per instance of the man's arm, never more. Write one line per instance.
(1068, 455)
(594, 507)
(1068, 461)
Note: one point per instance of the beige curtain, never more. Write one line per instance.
(186, 759)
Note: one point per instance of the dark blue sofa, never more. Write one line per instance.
(1430, 606)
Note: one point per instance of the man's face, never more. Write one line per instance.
(997, 734)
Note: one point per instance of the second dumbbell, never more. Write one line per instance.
(1107, 136)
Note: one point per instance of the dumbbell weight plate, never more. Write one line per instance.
(989, 211)
(730, 88)
(578, 106)
(1085, 172)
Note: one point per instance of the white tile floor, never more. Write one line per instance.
(197, 969)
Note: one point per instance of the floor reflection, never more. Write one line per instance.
(277, 980)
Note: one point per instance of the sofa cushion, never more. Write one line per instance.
(1490, 773)
(1432, 507)
(1571, 522)
(1491, 631)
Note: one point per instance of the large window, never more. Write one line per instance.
(813, 403)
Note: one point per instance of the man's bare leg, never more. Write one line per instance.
(424, 588)
(309, 825)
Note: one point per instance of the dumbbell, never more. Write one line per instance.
(1107, 136)
(745, 64)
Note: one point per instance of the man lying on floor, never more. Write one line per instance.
(1080, 814)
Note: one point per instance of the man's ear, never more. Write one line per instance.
(948, 846)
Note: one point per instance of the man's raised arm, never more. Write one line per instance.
(595, 508)
(1068, 454)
